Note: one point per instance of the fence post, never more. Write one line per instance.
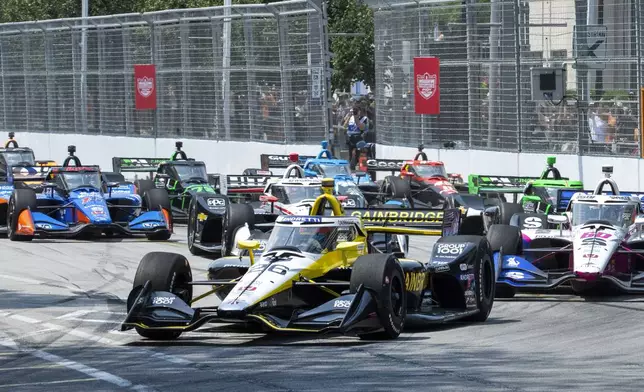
(328, 93)
(153, 60)
(4, 88)
(470, 30)
(25, 70)
(185, 78)
(250, 76)
(127, 80)
(216, 29)
(226, 69)
(638, 40)
(102, 86)
(286, 93)
(50, 84)
(517, 49)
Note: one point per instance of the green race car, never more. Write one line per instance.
(538, 194)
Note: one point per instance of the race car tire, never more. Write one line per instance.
(21, 199)
(158, 200)
(507, 212)
(192, 228)
(238, 215)
(142, 186)
(508, 239)
(166, 272)
(484, 277)
(396, 187)
(371, 271)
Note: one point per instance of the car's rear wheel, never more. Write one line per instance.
(166, 272)
(238, 216)
(485, 283)
(21, 200)
(383, 276)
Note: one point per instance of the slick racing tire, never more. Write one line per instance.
(21, 199)
(508, 240)
(238, 215)
(192, 228)
(142, 186)
(396, 187)
(507, 212)
(157, 200)
(484, 277)
(384, 277)
(166, 272)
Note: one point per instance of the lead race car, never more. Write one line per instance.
(598, 244)
(74, 201)
(318, 274)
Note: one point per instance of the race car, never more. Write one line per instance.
(597, 243)
(540, 194)
(425, 185)
(74, 202)
(184, 178)
(324, 165)
(317, 274)
(18, 167)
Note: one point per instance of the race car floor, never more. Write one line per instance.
(61, 303)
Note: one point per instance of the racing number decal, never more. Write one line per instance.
(446, 187)
(590, 234)
(278, 269)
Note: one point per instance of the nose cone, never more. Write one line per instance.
(236, 309)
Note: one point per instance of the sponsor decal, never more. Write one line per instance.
(349, 203)
(467, 277)
(441, 268)
(268, 303)
(414, 281)
(400, 216)
(202, 217)
(514, 275)
(163, 300)
(342, 304)
(216, 202)
(589, 256)
(532, 222)
(463, 267)
(426, 85)
(529, 206)
(592, 234)
(97, 210)
(306, 219)
(384, 164)
(246, 288)
(512, 262)
(449, 250)
(151, 225)
(45, 226)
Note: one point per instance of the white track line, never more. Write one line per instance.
(79, 367)
(22, 280)
(99, 339)
(76, 313)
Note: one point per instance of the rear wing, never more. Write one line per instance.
(565, 195)
(136, 165)
(29, 173)
(275, 161)
(411, 217)
(501, 184)
(388, 165)
(239, 184)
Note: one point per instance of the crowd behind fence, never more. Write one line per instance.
(486, 49)
(275, 72)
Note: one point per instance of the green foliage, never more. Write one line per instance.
(353, 56)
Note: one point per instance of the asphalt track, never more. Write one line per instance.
(61, 303)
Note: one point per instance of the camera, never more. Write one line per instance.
(71, 150)
(179, 145)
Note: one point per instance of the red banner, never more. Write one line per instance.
(145, 86)
(427, 93)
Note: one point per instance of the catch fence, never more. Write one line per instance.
(487, 48)
(267, 83)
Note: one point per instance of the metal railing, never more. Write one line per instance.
(486, 49)
(268, 85)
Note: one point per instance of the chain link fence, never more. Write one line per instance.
(270, 88)
(486, 49)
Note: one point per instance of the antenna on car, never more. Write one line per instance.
(421, 154)
(550, 168)
(11, 143)
(71, 150)
(607, 170)
(182, 155)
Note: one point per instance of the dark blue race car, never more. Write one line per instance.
(76, 201)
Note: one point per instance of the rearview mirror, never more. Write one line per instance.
(268, 198)
(491, 211)
(112, 184)
(248, 244)
(557, 219)
(348, 246)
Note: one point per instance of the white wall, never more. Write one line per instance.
(234, 157)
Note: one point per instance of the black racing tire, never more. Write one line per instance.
(484, 277)
(509, 239)
(374, 271)
(166, 272)
(20, 200)
(396, 187)
(156, 200)
(192, 226)
(142, 186)
(507, 210)
(238, 215)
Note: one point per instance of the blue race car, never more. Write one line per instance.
(75, 201)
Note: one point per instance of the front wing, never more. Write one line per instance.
(147, 223)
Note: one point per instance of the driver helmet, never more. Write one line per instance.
(612, 213)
